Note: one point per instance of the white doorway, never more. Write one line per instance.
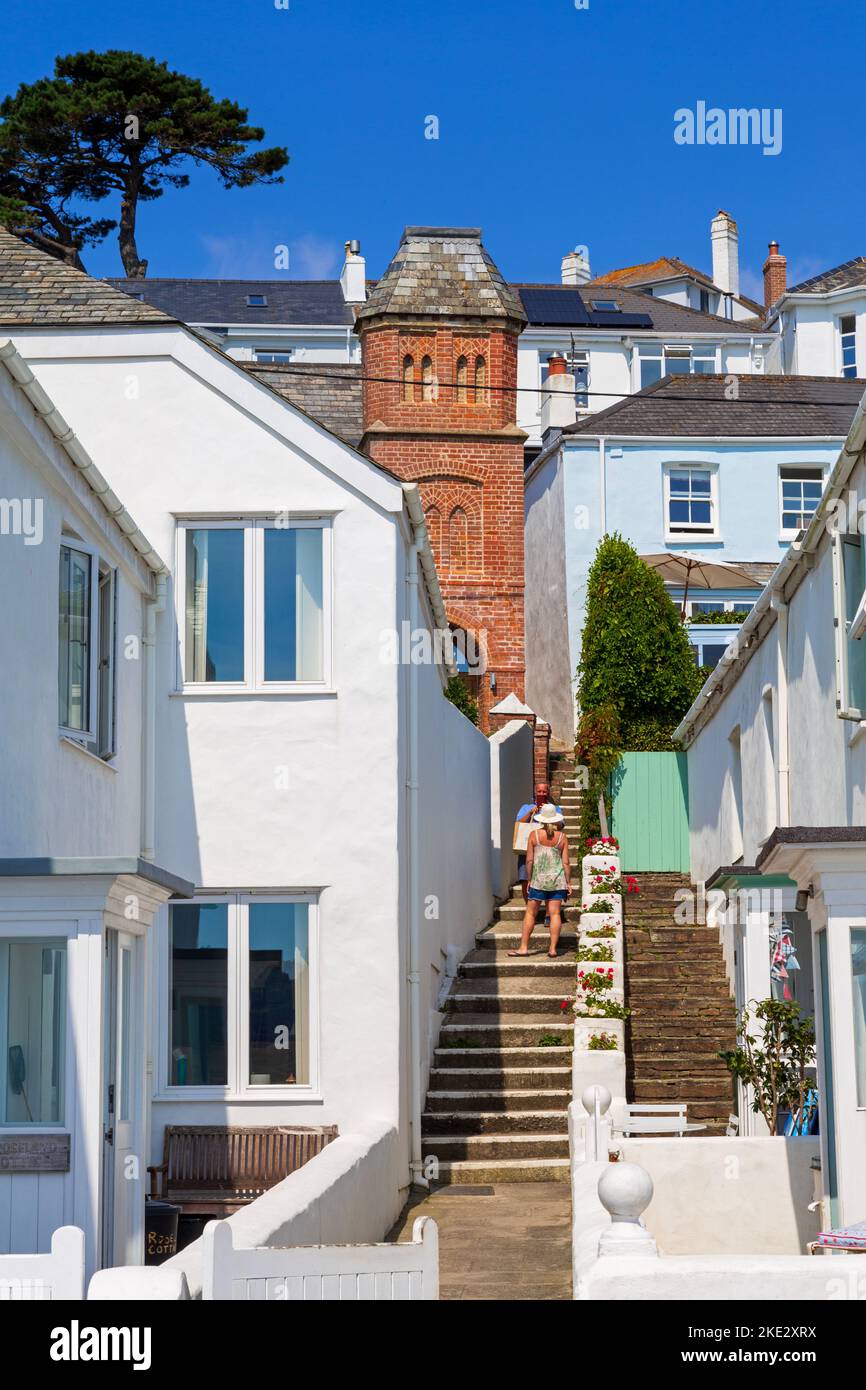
(122, 1193)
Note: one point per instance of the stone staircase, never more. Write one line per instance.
(682, 1013)
(497, 1106)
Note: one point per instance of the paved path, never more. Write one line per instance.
(507, 1241)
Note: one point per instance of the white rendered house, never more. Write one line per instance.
(325, 809)
(776, 794)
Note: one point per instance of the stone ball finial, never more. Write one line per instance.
(625, 1190)
(587, 1100)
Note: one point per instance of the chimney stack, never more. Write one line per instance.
(726, 253)
(775, 275)
(353, 277)
(558, 404)
(575, 266)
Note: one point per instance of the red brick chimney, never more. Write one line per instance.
(775, 275)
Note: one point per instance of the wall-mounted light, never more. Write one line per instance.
(801, 902)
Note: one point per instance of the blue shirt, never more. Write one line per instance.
(531, 806)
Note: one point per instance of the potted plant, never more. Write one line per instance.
(774, 1064)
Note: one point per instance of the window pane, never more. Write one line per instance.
(105, 666)
(198, 951)
(279, 994)
(677, 366)
(712, 653)
(33, 1005)
(293, 604)
(74, 639)
(701, 513)
(123, 1112)
(214, 605)
(650, 370)
(679, 511)
(680, 482)
(858, 965)
(701, 484)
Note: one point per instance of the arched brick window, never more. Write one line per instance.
(462, 378)
(408, 378)
(428, 388)
(458, 539)
(480, 393)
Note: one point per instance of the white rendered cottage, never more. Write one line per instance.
(332, 809)
(777, 796)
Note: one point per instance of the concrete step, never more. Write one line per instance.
(494, 1123)
(500, 1102)
(548, 1005)
(475, 1172)
(513, 912)
(484, 964)
(500, 1057)
(505, 936)
(454, 1147)
(500, 1078)
(519, 1030)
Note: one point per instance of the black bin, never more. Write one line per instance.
(160, 1231)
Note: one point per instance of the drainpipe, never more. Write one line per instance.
(602, 484)
(780, 608)
(155, 607)
(414, 962)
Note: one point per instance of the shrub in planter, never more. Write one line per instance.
(594, 1007)
(595, 953)
(611, 881)
(600, 905)
(602, 1042)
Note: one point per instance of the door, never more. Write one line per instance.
(121, 1177)
(651, 811)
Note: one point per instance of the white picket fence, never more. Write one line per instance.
(403, 1272)
(38, 1278)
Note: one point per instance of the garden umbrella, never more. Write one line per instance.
(697, 572)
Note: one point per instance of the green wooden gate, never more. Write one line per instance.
(651, 811)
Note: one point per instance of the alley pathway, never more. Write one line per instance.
(499, 1242)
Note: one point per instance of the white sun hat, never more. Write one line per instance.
(548, 815)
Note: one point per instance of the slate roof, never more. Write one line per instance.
(664, 316)
(664, 268)
(37, 289)
(218, 303)
(443, 271)
(330, 392)
(842, 277)
(767, 405)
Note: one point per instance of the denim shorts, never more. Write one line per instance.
(539, 896)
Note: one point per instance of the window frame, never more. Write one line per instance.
(688, 530)
(784, 532)
(254, 528)
(238, 1087)
(841, 624)
(44, 934)
(841, 335)
(88, 738)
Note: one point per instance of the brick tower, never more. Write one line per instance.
(440, 330)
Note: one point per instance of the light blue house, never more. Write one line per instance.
(726, 468)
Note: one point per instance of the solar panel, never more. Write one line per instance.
(552, 306)
(606, 318)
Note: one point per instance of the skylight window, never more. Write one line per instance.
(608, 306)
(257, 301)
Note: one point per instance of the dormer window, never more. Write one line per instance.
(257, 301)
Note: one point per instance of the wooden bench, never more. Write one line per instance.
(220, 1168)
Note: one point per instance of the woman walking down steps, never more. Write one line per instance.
(549, 874)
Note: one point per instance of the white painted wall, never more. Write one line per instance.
(549, 664)
(511, 772)
(728, 1196)
(57, 800)
(810, 343)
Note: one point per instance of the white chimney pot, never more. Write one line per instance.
(726, 253)
(353, 277)
(575, 267)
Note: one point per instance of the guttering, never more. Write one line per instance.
(66, 436)
(749, 635)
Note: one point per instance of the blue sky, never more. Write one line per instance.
(555, 126)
